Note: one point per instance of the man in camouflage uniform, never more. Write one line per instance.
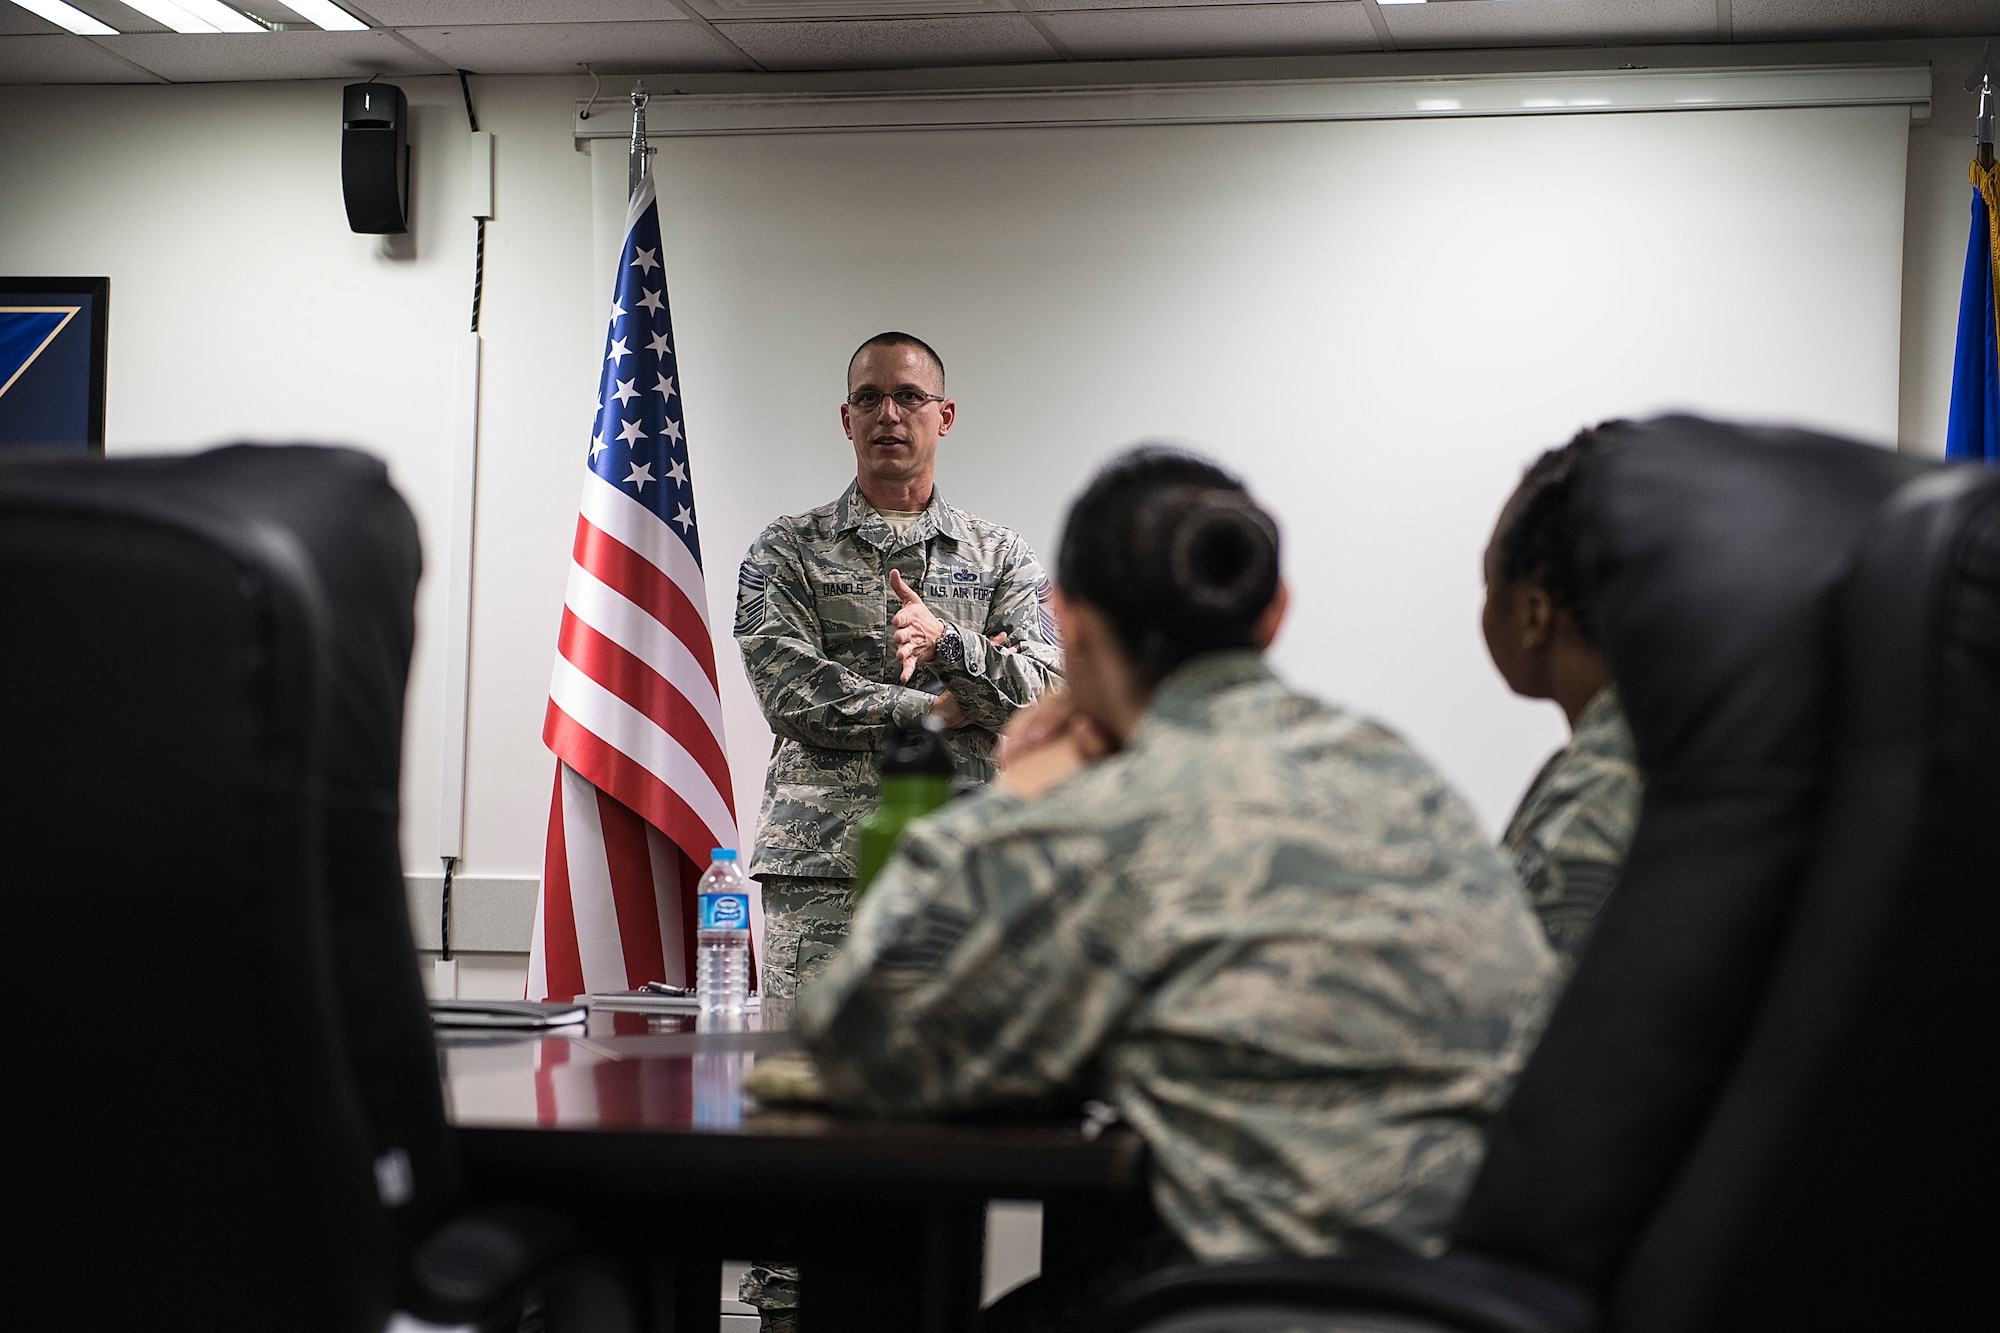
(858, 618)
(1569, 836)
(1265, 931)
(861, 617)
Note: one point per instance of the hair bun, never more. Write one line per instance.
(1174, 553)
(1222, 557)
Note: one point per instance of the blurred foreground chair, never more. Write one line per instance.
(228, 1112)
(1770, 1098)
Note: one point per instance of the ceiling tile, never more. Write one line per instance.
(220, 57)
(971, 39)
(1753, 19)
(271, 13)
(844, 9)
(558, 48)
(1551, 22)
(451, 13)
(1238, 30)
(122, 17)
(1048, 6)
(14, 19)
(62, 59)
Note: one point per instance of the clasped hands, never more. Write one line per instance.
(1048, 741)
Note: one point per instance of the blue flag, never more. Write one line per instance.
(1974, 431)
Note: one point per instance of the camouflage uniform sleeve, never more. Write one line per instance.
(806, 696)
(999, 679)
(974, 975)
(1571, 859)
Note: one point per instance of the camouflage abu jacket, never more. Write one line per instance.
(813, 607)
(1572, 830)
(1267, 932)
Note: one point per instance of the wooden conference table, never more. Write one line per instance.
(639, 1123)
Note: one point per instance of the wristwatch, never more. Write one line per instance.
(951, 648)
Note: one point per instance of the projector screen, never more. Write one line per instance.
(1378, 323)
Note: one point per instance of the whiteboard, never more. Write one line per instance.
(1377, 323)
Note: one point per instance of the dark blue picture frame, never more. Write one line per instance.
(53, 335)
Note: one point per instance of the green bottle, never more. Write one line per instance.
(916, 779)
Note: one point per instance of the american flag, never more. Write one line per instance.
(642, 788)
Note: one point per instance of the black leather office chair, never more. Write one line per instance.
(228, 1111)
(1768, 1099)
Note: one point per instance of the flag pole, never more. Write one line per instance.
(1981, 81)
(635, 167)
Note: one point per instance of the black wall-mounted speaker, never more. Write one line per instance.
(375, 157)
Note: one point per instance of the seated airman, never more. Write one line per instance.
(1263, 929)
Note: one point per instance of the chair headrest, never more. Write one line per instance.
(1715, 554)
(1713, 551)
(335, 507)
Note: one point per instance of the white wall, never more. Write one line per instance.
(1378, 323)
(242, 307)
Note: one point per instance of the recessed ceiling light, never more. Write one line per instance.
(220, 16)
(327, 15)
(1399, 2)
(171, 15)
(68, 16)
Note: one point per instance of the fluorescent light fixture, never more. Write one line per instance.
(68, 16)
(171, 15)
(327, 15)
(1399, 2)
(220, 16)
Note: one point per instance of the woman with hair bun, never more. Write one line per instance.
(1262, 929)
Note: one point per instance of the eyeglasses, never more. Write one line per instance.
(869, 400)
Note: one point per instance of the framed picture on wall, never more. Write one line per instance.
(52, 340)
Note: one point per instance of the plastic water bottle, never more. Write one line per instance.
(722, 942)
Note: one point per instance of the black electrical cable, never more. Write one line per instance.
(479, 244)
(444, 910)
(478, 290)
(466, 88)
(478, 271)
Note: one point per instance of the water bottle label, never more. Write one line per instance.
(725, 911)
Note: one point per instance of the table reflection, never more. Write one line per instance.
(620, 1071)
(718, 1075)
